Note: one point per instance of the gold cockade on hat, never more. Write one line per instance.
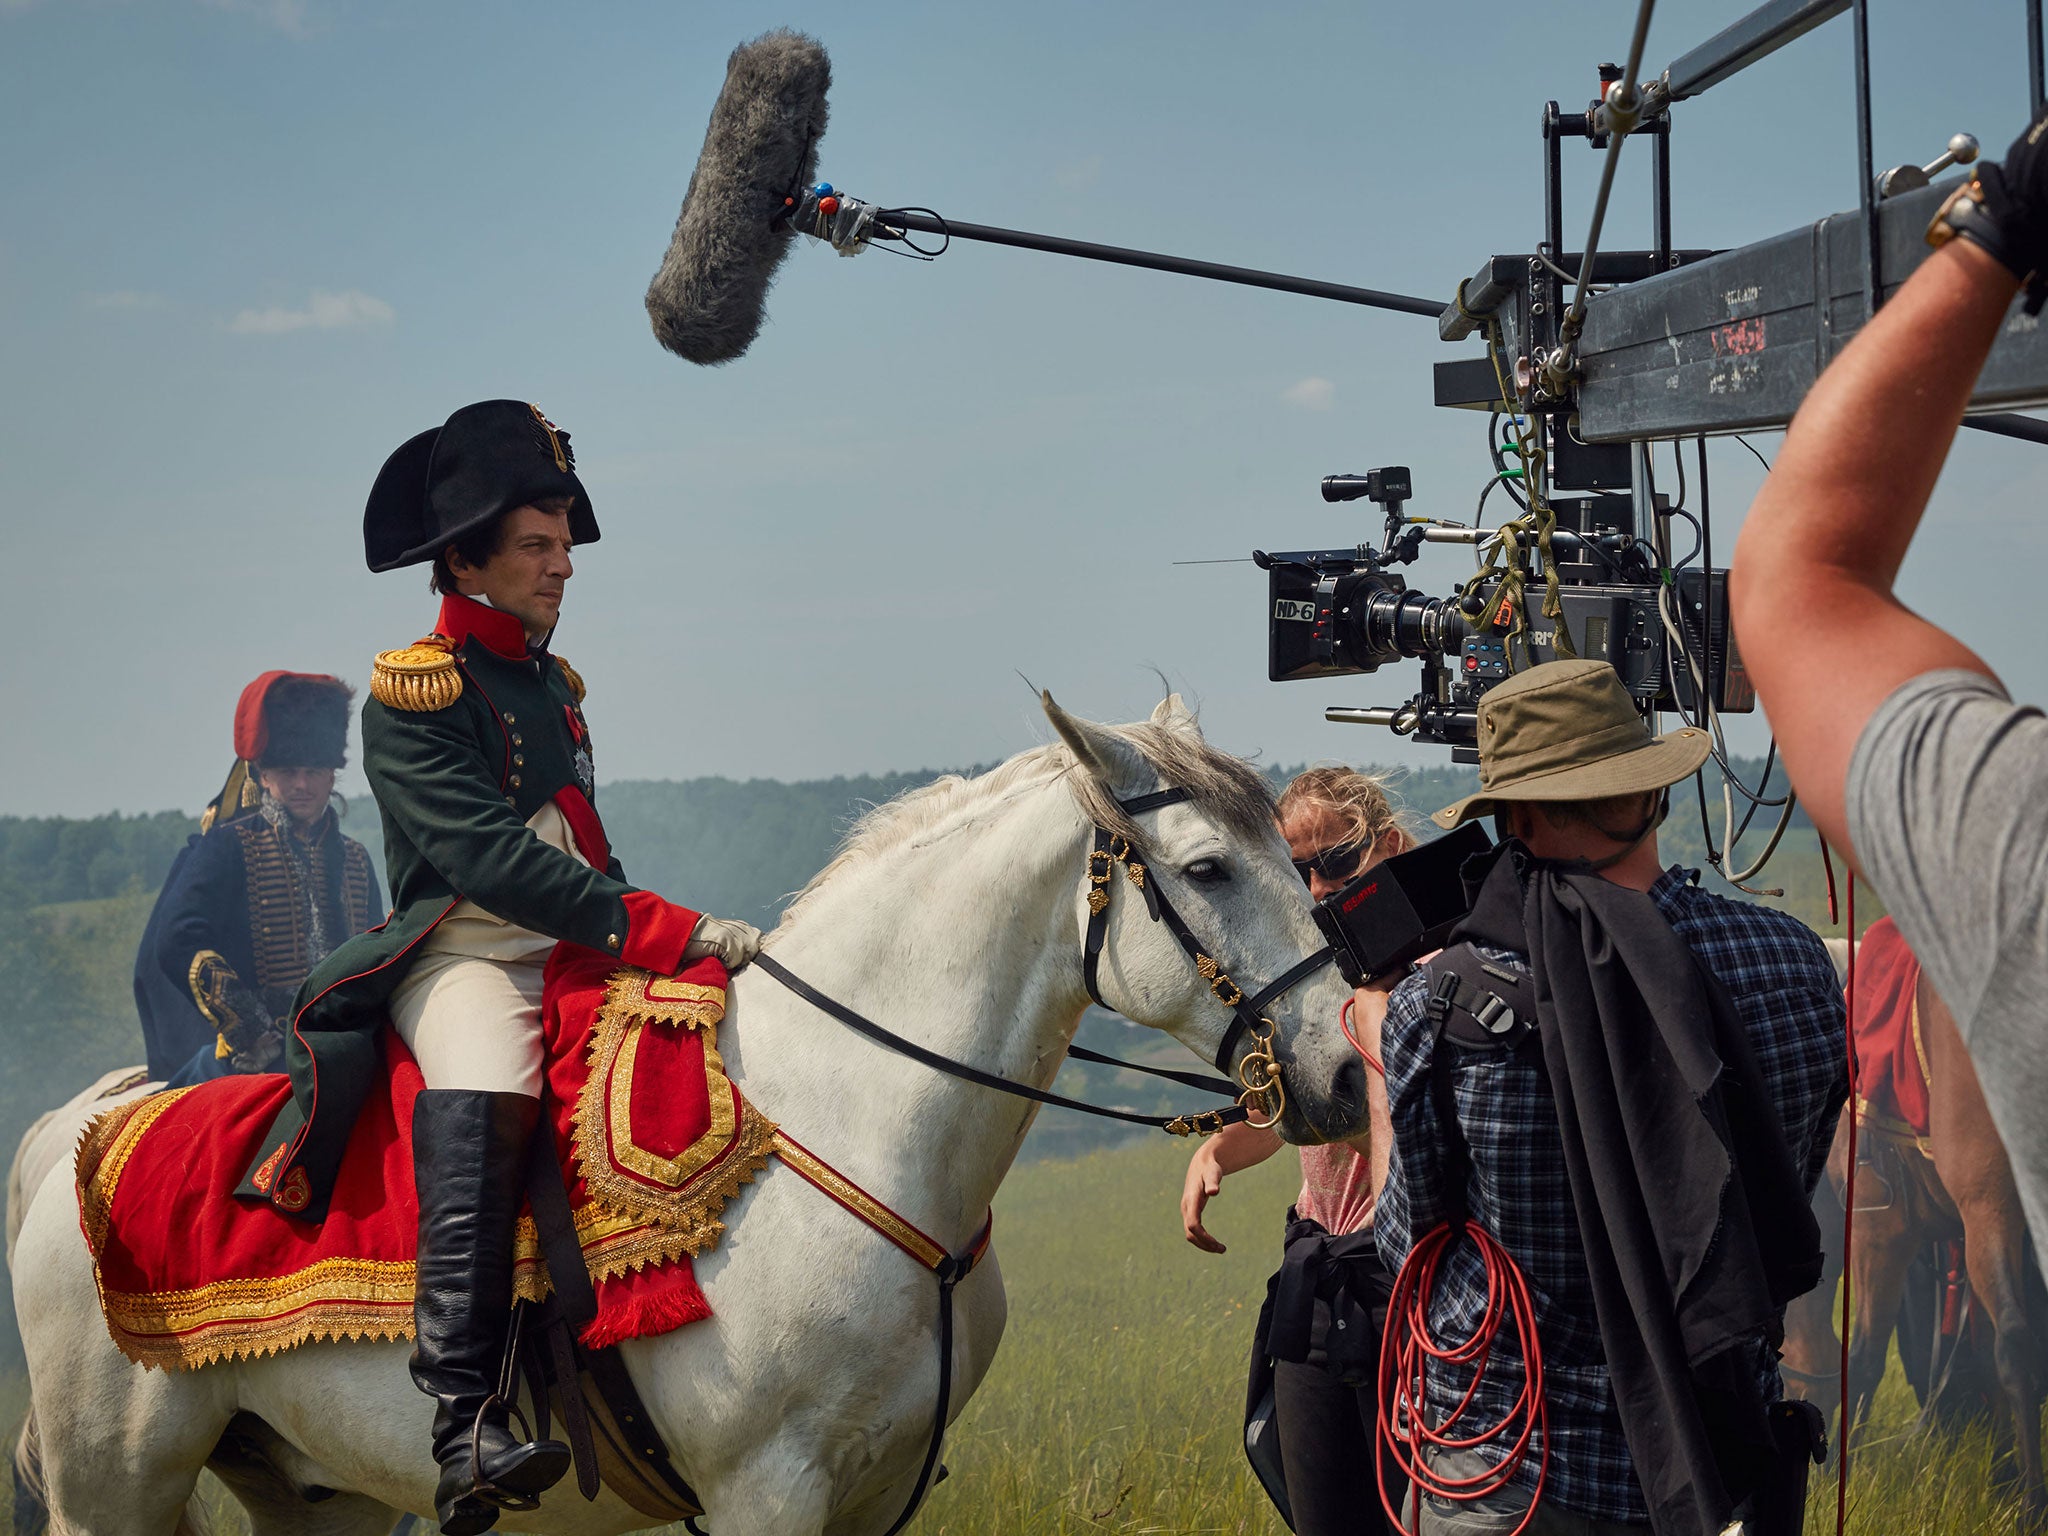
(420, 678)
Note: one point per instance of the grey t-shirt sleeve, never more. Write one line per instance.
(1947, 804)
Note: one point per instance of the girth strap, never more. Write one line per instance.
(949, 1268)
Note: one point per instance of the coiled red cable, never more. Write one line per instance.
(1408, 1348)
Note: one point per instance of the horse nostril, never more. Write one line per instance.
(1347, 1091)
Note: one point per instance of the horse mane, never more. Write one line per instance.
(1228, 789)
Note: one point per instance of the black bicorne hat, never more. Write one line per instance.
(484, 460)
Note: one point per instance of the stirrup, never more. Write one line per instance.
(481, 1487)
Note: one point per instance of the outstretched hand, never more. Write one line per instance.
(1204, 1183)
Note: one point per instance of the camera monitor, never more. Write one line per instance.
(1401, 908)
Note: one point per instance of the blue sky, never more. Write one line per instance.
(250, 246)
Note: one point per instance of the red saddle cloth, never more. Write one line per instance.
(653, 1138)
(1890, 1054)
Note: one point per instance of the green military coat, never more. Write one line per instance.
(466, 735)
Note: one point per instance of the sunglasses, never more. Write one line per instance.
(1335, 865)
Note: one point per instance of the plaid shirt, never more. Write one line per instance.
(1787, 998)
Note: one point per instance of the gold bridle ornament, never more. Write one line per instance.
(1258, 1074)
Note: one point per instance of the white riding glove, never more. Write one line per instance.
(732, 941)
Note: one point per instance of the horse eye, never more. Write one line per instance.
(1207, 872)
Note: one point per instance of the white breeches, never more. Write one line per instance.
(473, 1023)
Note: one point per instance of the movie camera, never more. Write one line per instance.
(1340, 612)
(1588, 361)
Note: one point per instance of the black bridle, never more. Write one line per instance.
(1112, 849)
(1258, 1076)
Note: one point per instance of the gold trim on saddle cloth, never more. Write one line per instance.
(245, 1319)
(109, 1141)
(1920, 1043)
(671, 1211)
(682, 1195)
(1889, 1125)
(340, 1298)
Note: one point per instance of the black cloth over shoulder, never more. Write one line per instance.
(1695, 1223)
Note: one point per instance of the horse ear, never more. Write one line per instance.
(1173, 713)
(1109, 757)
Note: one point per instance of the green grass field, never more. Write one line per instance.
(1115, 1403)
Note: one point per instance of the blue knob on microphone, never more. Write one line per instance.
(822, 189)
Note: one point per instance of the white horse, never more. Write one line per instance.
(955, 916)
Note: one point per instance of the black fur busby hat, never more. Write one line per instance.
(293, 720)
(483, 461)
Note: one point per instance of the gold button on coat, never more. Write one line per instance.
(611, 941)
(515, 781)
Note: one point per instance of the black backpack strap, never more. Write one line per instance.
(1476, 1008)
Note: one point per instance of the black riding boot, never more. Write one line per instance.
(469, 1156)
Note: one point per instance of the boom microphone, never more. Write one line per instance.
(761, 148)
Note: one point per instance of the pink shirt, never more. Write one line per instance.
(1336, 1188)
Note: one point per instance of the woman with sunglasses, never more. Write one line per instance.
(1318, 1347)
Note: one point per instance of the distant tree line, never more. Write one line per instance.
(49, 859)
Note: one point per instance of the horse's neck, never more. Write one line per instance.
(964, 943)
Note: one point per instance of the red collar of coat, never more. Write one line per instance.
(501, 632)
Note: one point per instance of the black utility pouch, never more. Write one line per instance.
(1777, 1504)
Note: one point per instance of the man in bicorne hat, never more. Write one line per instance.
(477, 748)
(266, 891)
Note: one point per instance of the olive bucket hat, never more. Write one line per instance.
(1568, 730)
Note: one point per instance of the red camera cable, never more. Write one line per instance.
(1409, 1347)
(1848, 1215)
(1344, 1023)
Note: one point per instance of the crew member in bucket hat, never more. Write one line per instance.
(1568, 732)
(477, 747)
(1578, 783)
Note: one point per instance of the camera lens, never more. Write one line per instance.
(1397, 624)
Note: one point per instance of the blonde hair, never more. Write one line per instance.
(1361, 800)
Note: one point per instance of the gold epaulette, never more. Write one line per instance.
(420, 678)
(575, 679)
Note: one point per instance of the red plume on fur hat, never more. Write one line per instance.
(293, 720)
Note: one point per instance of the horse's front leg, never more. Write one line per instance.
(1883, 1251)
(769, 1498)
(1994, 1252)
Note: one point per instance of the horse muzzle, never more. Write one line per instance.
(1303, 1103)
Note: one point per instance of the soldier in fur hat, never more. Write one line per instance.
(266, 891)
(476, 745)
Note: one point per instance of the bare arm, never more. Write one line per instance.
(1230, 1150)
(1368, 1014)
(1826, 536)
